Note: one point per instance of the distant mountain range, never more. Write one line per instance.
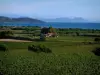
(17, 18)
(75, 19)
(21, 19)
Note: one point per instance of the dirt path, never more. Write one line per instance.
(13, 40)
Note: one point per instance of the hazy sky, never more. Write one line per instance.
(88, 9)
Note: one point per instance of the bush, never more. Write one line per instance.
(33, 48)
(87, 43)
(39, 48)
(77, 33)
(42, 37)
(96, 51)
(5, 34)
(44, 49)
(97, 39)
(3, 47)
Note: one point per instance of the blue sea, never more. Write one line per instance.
(75, 25)
(57, 25)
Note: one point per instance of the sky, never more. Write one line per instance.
(87, 9)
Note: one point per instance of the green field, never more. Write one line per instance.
(69, 57)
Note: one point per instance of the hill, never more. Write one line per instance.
(21, 19)
(75, 19)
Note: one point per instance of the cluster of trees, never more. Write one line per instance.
(29, 30)
(4, 34)
(36, 31)
(77, 31)
(48, 30)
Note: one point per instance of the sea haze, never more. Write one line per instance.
(58, 25)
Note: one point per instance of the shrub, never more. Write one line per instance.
(32, 48)
(42, 37)
(77, 33)
(44, 49)
(3, 47)
(87, 43)
(39, 48)
(96, 51)
(97, 39)
(5, 34)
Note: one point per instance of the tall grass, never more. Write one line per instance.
(67, 58)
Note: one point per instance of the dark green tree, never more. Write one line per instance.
(52, 30)
(4, 34)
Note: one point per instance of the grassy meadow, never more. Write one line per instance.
(70, 56)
